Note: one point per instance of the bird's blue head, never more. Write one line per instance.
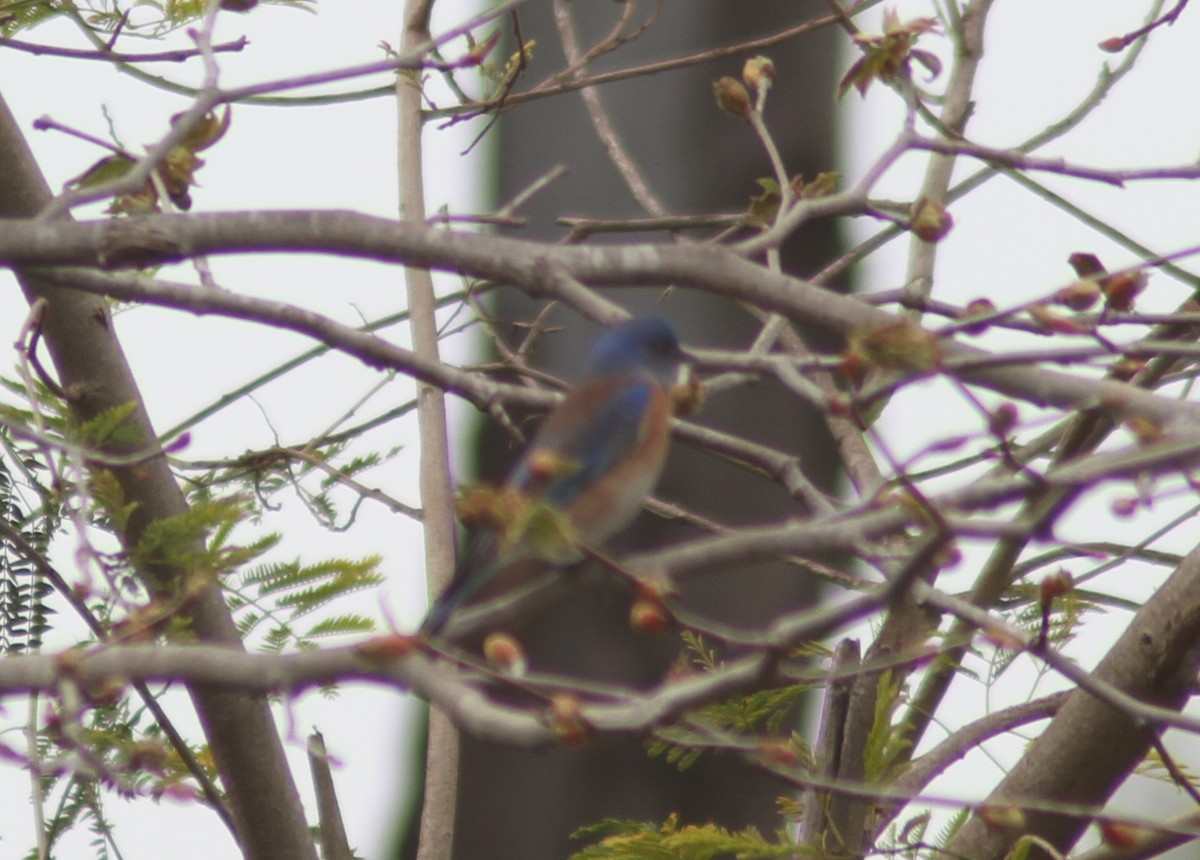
(640, 346)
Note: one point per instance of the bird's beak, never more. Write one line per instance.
(687, 394)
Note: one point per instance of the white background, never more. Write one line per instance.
(1041, 60)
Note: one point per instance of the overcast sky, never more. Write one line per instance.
(1042, 58)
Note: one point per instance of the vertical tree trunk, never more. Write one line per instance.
(696, 159)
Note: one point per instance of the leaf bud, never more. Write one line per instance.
(381, 649)
(780, 751)
(1080, 295)
(756, 69)
(977, 308)
(1055, 585)
(930, 220)
(1002, 818)
(1122, 288)
(1125, 507)
(732, 96)
(1119, 835)
(649, 616)
(504, 652)
(566, 718)
(1003, 419)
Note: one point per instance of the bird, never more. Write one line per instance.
(585, 474)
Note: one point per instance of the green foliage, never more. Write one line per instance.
(951, 828)
(266, 473)
(111, 428)
(1021, 849)
(198, 539)
(501, 78)
(277, 596)
(886, 56)
(760, 712)
(52, 414)
(24, 614)
(634, 840)
(26, 13)
(908, 840)
(110, 510)
(125, 750)
(1155, 768)
(886, 743)
(103, 17)
(1022, 600)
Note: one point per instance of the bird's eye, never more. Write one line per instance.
(660, 347)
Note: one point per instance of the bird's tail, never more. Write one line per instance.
(476, 567)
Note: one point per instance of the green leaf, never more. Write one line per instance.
(111, 427)
(630, 840)
(886, 743)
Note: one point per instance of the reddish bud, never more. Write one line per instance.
(1119, 834)
(1080, 295)
(1002, 421)
(930, 220)
(780, 751)
(382, 649)
(504, 652)
(1051, 321)
(1086, 265)
(1125, 507)
(977, 308)
(566, 719)
(545, 464)
(1002, 818)
(1126, 368)
(480, 50)
(854, 366)
(1122, 288)
(688, 396)
(1113, 45)
(1146, 432)
(948, 556)
(178, 791)
(649, 616)
(1055, 585)
(837, 405)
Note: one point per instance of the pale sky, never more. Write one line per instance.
(1041, 59)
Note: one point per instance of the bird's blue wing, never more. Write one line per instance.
(596, 425)
(615, 412)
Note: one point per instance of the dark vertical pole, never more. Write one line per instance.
(696, 159)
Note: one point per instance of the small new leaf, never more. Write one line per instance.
(886, 56)
(764, 206)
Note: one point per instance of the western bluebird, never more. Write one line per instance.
(592, 463)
